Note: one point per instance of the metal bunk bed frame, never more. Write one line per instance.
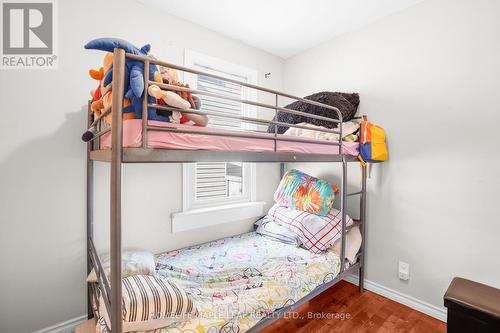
(111, 290)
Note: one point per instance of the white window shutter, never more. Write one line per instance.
(221, 106)
(213, 184)
(212, 179)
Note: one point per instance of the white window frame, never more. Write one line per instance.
(193, 59)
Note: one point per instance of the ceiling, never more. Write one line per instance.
(281, 27)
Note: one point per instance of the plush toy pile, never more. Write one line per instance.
(134, 93)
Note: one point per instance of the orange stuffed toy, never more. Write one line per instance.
(102, 96)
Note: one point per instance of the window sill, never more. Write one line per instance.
(205, 217)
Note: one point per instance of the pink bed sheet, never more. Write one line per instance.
(132, 138)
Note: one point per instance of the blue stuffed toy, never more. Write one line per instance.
(134, 75)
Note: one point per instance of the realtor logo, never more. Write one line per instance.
(28, 34)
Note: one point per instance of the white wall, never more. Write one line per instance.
(430, 75)
(42, 162)
(422, 74)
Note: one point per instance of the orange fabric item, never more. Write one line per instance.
(372, 148)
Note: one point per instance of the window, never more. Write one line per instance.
(211, 184)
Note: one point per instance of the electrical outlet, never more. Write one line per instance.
(403, 270)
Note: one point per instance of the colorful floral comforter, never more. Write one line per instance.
(236, 281)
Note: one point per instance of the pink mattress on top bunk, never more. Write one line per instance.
(132, 138)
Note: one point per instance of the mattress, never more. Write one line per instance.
(132, 138)
(236, 281)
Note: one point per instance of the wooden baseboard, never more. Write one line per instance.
(64, 327)
(412, 302)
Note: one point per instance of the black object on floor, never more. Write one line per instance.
(472, 307)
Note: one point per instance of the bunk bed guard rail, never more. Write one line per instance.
(252, 120)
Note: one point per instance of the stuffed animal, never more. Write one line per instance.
(97, 104)
(178, 99)
(102, 97)
(134, 74)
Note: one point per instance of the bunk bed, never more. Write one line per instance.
(146, 141)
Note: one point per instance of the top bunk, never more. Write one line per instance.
(131, 130)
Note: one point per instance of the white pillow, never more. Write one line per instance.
(150, 303)
(353, 244)
(134, 262)
(317, 233)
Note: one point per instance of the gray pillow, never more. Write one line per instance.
(346, 103)
(270, 229)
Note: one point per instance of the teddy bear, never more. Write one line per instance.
(181, 100)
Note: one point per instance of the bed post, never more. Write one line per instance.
(343, 213)
(145, 106)
(90, 212)
(282, 169)
(116, 184)
(362, 208)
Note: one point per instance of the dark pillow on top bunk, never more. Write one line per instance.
(346, 103)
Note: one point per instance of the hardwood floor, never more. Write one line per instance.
(343, 309)
(87, 326)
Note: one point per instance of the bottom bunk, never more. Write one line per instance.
(242, 282)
